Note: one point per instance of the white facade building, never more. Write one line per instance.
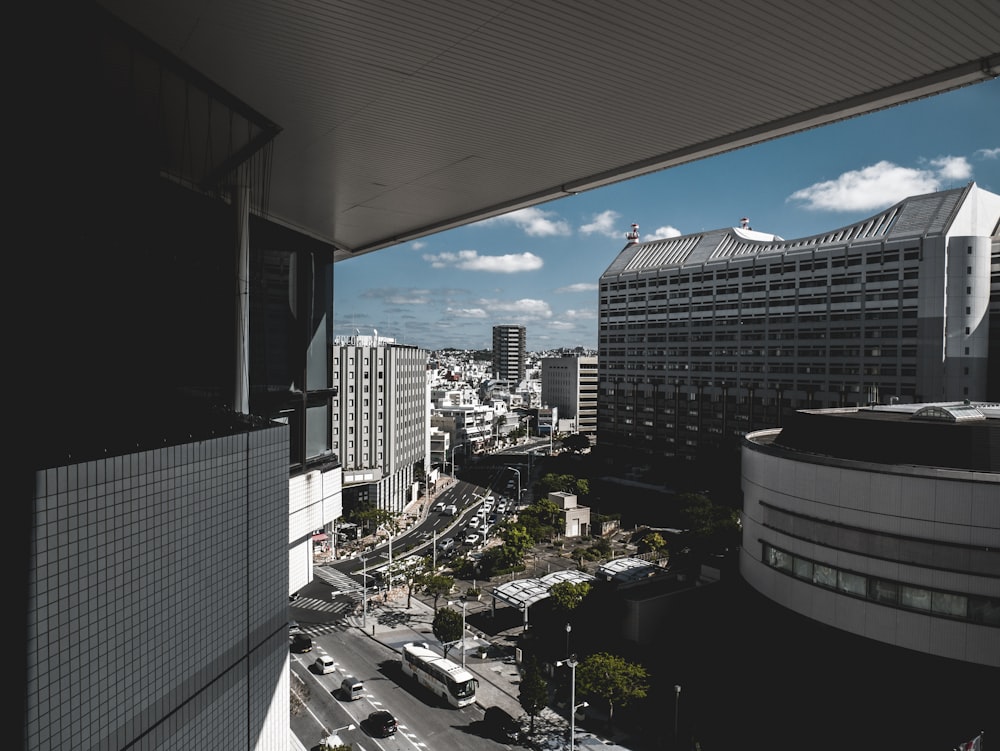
(570, 383)
(380, 428)
(883, 522)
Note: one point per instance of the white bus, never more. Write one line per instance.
(452, 682)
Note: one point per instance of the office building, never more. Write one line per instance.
(883, 522)
(706, 337)
(509, 354)
(380, 428)
(570, 383)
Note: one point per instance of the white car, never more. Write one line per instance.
(471, 539)
(474, 522)
(324, 664)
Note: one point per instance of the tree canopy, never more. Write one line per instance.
(576, 442)
(567, 596)
(533, 695)
(435, 585)
(555, 483)
(613, 679)
(447, 627)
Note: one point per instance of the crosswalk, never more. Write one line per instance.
(340, 581)
(317, 605)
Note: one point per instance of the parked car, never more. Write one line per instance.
(302, 643)
(471, 539)
(381, 724)
(474, 522)
(324, 664)
(502, 726)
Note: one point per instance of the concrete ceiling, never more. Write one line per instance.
(400, 118)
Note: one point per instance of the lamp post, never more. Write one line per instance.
(364, 592)
(573, 706)
(518, 473)
(462, 640)
(677, 696)
(569, 628)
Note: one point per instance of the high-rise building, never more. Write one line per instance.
(509, 354)
(380, 427)
(706, 337)
(570, 383)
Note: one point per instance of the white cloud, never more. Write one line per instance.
(561, 325)
(989, 153)
(470, 260)
(418, 245)
(952, 167)
(396, 296)
(881, 184)
(578, 287)
(578, 315)
(467, 312)
(533, 221)
(525, 309)
(662, 233)
(605, 223)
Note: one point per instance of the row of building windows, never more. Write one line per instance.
(876, 261)
(973, 608)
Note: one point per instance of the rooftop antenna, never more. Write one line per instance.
(633, 236)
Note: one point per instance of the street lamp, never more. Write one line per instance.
(518, 473)
(364, 592)
(333, 740)
(573, 706)
(569, 628)
(677, 696)
(462, 640)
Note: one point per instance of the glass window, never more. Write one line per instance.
(779, 559)
(914, 597)
(824, 576)
(984, 610)
(884, 591)
(949, 604)
(854, 584)
(803, 569)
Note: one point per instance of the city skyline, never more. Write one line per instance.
(539, 267)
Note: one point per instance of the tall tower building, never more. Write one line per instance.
(706, 337)
(570, 383)
(379, 419)
(509, 353)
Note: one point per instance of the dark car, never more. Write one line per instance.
(503, 727)
(381, 724)
(302, 643)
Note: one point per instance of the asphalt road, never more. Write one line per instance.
(423, 722)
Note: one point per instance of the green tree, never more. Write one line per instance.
(436, 585)
(651, 543)
(534, 691)
(447, 627)
(576, 442)
(713, 527)
(567, 596)
(612, 679)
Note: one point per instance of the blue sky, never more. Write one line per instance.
(540, 267)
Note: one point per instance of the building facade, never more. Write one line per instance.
(570, 383)
(509, 353)
(883, 522)
(380, 428)
(706, 337)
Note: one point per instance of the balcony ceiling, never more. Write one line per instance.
(400, 118)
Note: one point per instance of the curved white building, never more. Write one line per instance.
(883, 522)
